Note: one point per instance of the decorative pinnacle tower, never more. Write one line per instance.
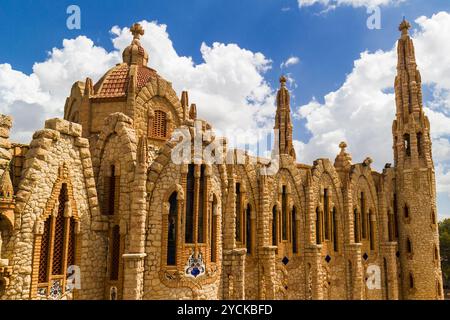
(415, 186)
(283, 121)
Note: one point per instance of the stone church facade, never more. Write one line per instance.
(95, 208)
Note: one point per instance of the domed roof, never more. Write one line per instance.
(114, 84)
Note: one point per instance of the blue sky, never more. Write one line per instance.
(327, 45)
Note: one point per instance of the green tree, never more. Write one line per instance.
(444, 240)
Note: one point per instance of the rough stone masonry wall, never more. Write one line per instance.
(59, 144)
(176, 288)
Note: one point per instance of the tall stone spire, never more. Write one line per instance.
(415, 186)
(283, 120)
(411, 129)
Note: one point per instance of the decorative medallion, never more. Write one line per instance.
(55, 290)
(195, 266)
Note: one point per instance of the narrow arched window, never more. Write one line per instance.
(408, 246)
(371, 230)
(189, 220)
(406, 211)
(274, 226)
(294, 230)
(201, 224)
(214, 230)
(159, 124)
(318, 227)
(363, 216)
(407, 144)
(115, 253)
(335, 231)
(109, 192)
(356, 229)
(326, 214)
(284, 214)
(433, 217)
(238, 218)
(172, 230)
(248, 235)
(411, 281)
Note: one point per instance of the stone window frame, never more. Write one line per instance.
(252, 224)
(117, 283)
(170, 274)
(409, 248)
(295, 225)
(357, 236)
(335, 229)
(168, 123)
(51, 212)
(116, 193)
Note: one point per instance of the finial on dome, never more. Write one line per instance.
(283, 81)
(343, 145)
(137, 31)
(135, 53)
(404, 26)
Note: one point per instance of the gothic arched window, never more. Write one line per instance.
(57, 249)
(294, 230)
(318, 226)
(201, 216)
(238, 219)
(406, 211)
(326, 214)
(335, 231)
(407, 144)
(411, 281)
(110, 192)
(371, 231)
(189, 221)
(172, 230)
(284, 214)
(248, 235)
(363, 216)
(214, 229)
(274, 226)
(356, 225)
(408, 246)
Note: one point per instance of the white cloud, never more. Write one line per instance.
(228, 86)
(362, 109)
(31, 99)
(290, 62)
(353, 3)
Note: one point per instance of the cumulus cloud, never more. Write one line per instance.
(354, 3)
(362, 109)
(31, 99)
(290, 62)
(228, 86)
